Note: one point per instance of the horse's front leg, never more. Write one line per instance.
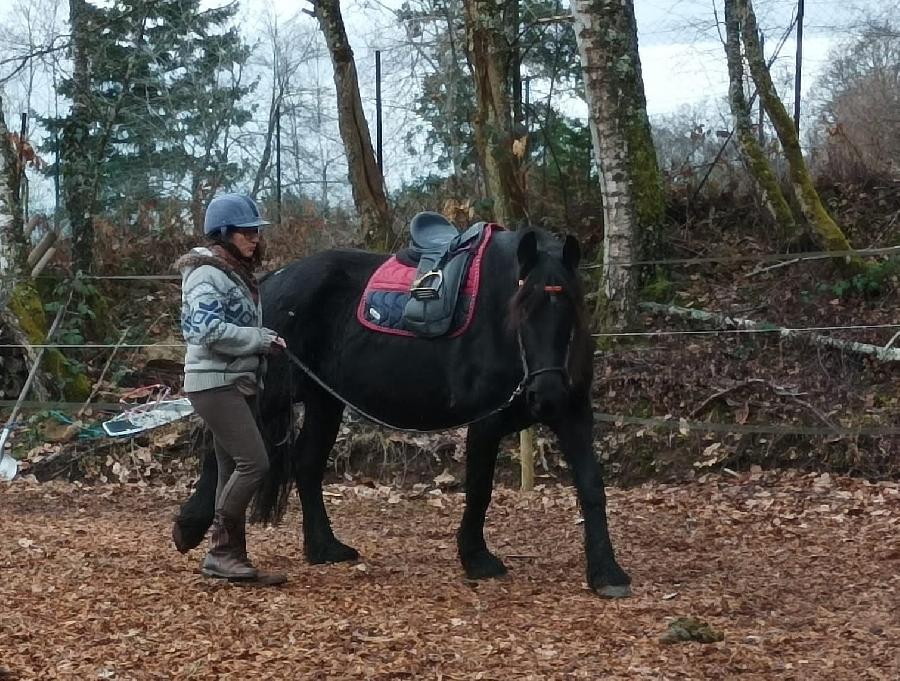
(482, 442)
(604, 575)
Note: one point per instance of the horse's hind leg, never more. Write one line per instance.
(482, 442)
(195, 517)
(320, 427)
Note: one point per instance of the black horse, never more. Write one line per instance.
(528, 343)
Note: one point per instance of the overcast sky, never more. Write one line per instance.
(682, 56)
(682, 59)
(681, 53)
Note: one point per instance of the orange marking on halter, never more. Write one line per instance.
(548, 289)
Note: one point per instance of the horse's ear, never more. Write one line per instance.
(571, 252)
(527, 253)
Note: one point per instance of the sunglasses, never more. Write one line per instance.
(247, 232)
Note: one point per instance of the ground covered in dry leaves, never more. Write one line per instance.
(801, 573)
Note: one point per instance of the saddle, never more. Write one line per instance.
(428, 289)
(443, 256)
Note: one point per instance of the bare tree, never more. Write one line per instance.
(490, 59)
(630, 180)
(12, 234)
(825, 229)
(761, 172)
(858, 97)
(366, 179)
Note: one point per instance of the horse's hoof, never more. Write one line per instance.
(484, 565)
(187, 536)
(335, 552)
(610, 591)
(609, 581)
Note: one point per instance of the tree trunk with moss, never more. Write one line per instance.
(764, 177)
(13, 245)
(366, 179)
(824, 227)
(490, 59)
(27, 308)
(13, 254)
(630, 181)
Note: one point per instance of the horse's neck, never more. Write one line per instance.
(499, 283)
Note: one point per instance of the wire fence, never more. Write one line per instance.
(699, 260)
(618, 419)
(621, 334)
(671, 423)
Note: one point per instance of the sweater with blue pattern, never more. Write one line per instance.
(222, 326)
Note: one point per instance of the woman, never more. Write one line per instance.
(221, 319)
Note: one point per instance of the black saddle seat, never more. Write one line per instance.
(442, 255)
(429, 232)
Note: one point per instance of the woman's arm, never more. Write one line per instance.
(203, 320)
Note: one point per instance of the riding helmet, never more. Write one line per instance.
(232, 210)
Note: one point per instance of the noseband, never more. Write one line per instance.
(529, 374)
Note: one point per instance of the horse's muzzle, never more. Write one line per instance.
(547, 394)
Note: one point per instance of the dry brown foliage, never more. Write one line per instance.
(799, 572)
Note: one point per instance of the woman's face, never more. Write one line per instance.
(245, 240)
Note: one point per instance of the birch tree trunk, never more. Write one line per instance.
(761, 172)
(490, 61)
(825, 229)
(13, 246)
(630, 181)
(366, 179)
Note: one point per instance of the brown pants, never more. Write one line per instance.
(240, 452)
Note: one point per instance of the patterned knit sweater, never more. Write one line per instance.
(221, 324)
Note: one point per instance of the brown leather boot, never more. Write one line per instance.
(262, 578)
(227, 555)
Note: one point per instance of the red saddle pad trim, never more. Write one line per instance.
(394, 275)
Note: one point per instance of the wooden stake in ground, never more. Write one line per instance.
(526, 458)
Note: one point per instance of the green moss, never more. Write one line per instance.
(769, 189)
(658, 289)
(75, 385)
(100, 324)
(25, 303)
(825, 228)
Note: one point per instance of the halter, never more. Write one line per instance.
(529, 374)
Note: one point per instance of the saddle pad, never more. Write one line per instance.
(387, 292)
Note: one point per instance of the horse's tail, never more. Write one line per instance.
(277, 424)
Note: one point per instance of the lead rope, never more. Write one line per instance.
(515, 393)
(526, 376)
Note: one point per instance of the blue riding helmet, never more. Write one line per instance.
(232, 210)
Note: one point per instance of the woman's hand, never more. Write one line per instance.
(272, 343)
(278, 344)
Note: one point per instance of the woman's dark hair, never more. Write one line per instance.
(222, 239)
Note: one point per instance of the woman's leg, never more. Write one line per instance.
(243, 463)
(225, 468)
(240, 451)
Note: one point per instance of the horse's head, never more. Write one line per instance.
(547, 314)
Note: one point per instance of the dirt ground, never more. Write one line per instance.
(801, 573)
